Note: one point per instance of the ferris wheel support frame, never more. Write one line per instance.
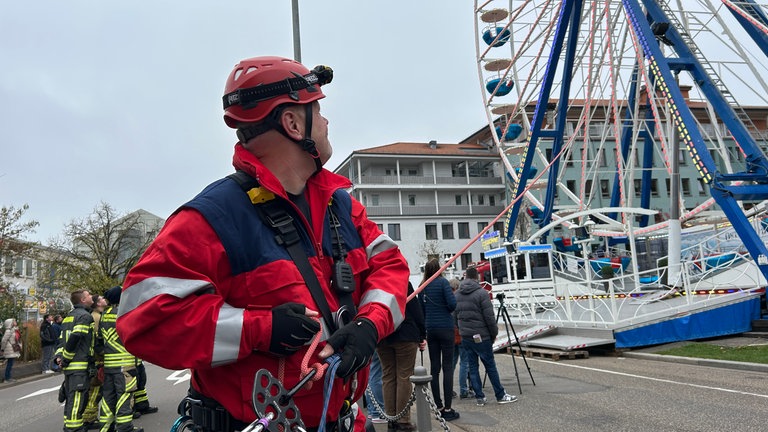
(726, 196)
(570, 13)
(752, 19)
(727, 189)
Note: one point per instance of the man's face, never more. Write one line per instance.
(87, 299)
(320, 134)
(319, 130)
(102, 304)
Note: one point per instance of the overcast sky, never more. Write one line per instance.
(121, 101)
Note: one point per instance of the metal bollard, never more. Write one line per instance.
(420, 379)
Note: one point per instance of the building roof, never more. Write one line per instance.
(428, 149)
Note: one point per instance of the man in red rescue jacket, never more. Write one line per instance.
(219, 292)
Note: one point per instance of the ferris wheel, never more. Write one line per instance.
(586, 101)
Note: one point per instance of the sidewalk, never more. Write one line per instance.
(22, 371)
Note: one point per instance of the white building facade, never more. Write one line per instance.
(431, 198)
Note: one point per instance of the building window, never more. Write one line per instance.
(458, 200)
(499, 226)
(654, 187)
(481, 199)
(681, 156)
(412, 200)
(459, 169)
(571, 185)
(388, 172)
(394, 231)
(374, 199)
(638, 186)
(480, 226)
(431, 231)
(491, 200)
(448, 231)
(466, 260)
(380, 227)
(604, 190)
(588, 187)
(463, 230)
(7, 265)
(702, 188)
(686, 186)
(603, 159)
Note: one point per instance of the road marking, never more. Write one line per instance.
(40, 392)
(653, 379)
(179, 376)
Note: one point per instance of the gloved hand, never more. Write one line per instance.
(356, 342)
(291, 328)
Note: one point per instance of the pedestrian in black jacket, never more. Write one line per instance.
(47, 342)
(478, 329)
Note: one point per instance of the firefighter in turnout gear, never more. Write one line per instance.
(74, 353)
(91, 413)
(120, 373)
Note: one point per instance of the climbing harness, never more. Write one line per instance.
(273, 404)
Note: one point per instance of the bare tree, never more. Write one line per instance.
(98, 250)
(430, 249)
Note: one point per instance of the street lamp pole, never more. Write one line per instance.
(296, 31)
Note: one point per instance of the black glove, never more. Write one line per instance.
(291, 329)
(356, 342)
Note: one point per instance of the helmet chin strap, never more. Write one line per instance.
(307, 143)
(245, 133)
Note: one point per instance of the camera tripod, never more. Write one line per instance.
(503, 314)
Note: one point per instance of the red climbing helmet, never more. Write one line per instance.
(257, 85)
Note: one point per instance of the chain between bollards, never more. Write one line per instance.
(421, 380)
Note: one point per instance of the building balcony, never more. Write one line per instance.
(424, 180)
(429, 210)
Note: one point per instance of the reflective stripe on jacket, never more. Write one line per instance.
(115, 355)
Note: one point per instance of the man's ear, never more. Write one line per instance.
(293, 123)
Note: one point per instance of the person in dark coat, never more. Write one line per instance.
(438, 302)
(56, 328)
(48, 339)
(397, 353)
(478, 329)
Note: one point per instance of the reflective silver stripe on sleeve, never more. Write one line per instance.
(229, 329)
(155, 286)
(387, 299)
(382, 243)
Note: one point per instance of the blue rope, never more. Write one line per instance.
(330, 373)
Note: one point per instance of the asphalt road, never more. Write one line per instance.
(596, 394)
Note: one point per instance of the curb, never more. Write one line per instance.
(24, 372)
(726, 364)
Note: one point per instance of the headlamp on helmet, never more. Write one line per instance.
(248, 98)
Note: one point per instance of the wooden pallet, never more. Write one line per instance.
(550, 353)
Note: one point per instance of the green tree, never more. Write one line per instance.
(96, 252)
(13, 246)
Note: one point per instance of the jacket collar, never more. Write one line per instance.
(324, 181)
